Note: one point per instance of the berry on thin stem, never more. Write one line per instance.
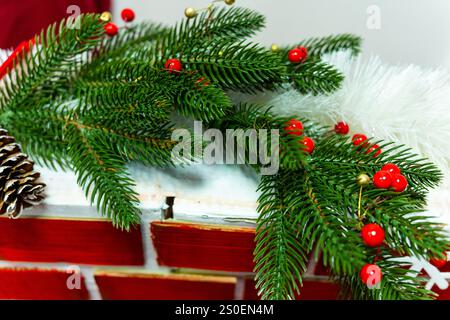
(342, 128)
(309, 144)
(371, 275)
(294, 127)
(375, 150)
(111, 29)
(298, 55)
(173, 65)
(399, 183)
(373, 235)
(358, 139)
(128, 15)
(391, 168)
(382, 180)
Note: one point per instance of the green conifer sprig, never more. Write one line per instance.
(59, 45)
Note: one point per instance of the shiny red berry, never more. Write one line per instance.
(382, 180)
(128, 15)
(298, 55)
(309, 144)
(372, 235)
(439, 262)
(375, 150)
(173, 65)
(391, 168)
(358, 139)
(399, 183)
(294, 127)
(371, 275)
(111, 29)
(342, 128)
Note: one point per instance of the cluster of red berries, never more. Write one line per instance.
(373, 236)
(111, 29)
(361, 141)
(295, 127)
(390, 177)
(298, 55)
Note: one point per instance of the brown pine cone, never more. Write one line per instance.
(19, 186)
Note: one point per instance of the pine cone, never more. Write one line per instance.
(18, 182)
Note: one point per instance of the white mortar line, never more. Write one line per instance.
(91, 284)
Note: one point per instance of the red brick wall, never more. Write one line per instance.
(50, 258)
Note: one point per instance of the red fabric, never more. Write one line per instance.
(21, 20)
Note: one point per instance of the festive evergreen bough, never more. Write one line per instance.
(93, 103)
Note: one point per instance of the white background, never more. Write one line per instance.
(412, 31)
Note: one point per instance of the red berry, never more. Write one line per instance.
(298, 55)
(372, 235)
(439, 262)
(391, 168)
(342, 127)
(375, 150)
(371, 275)
(382, 180)
(399, 183)
(173, 65)
(111, 29)
(358, 139)
(309, 144)
(294, 127)
(128, 15)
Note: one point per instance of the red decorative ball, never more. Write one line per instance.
(372, 235)
(294, 127)
(358, 139)
(391, 168)
(375, 149)
(111, 29)
(128, 15)
(439, 262)
(298, 55)
(309, 144)
(382, 180)
(371, 275)
(342, 128)
(399, 183)
(173, 65)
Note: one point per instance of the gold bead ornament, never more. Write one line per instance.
(363, 180)
(106, 16)
(190, 13)
(275, 48)
(229, 2)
